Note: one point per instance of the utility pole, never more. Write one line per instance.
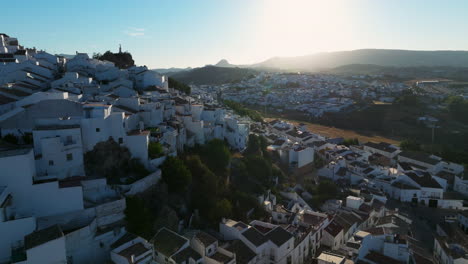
(432, 141)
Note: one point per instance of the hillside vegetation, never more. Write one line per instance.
(122, 60)
(382, 57)
(212, 75)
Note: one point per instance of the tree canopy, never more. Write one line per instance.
(216, 155)
(176, 174)
(458, 108)
(410, 144)
(155, 150)
(110, 160)
(242, 111)
(204, 186)
(122, 60)
(138, 217)
(180, 86)
(256, 145)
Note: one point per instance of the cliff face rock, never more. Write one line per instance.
(123, 60)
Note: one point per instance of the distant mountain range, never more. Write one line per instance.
(363, 60)
(67, 56)
(381, 57)
(172, 70)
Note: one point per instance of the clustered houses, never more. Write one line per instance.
(359, 228)
(295, 145)
(311, 94)
(451, 241)
(361, 231)
(58, 109)
(384, 170)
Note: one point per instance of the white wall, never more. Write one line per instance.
(55, 145)
(12, 232)
(36, 199)
(138, 146)
(53, 252)
(305, 157)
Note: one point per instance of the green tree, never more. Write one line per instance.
(410, 145)
(458, 108)
(204, 186)
(10, 138)
(155, 150)
(167, 218)
(242, 111)
(138, 217)
(327, 189)
(408, 99)
(351, 141)
(176, 175)
(216, 155)
(180, 86)
(222, 209)
(256, 145)
(259, 168)
(110, 160)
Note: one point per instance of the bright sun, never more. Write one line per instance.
(298, 27)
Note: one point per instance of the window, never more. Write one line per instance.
(98, 129)
(120, 140)
(69, 156)
(51, 163)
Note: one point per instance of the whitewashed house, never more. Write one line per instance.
(301, 156)
(271, 243)
(58, 151)
(388, 150)
(131, 249)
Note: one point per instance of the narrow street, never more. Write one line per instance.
(424, 219)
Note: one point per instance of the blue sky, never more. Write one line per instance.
(181, 33)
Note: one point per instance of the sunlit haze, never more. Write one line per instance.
(181, 33)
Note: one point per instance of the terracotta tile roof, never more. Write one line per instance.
(333, 228)
(424, 179)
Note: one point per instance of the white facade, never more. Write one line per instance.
(58, 151)
(354, 202)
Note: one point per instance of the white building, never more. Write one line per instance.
(131, 249)
(58, 151)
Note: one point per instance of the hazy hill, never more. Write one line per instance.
(381, 57)
(67, 56)
(171, 70)
(224, 63)
(212, 75)
(404, 73)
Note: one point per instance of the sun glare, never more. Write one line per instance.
(297, 27)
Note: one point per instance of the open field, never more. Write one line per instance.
(328, 131)
(334, 132)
